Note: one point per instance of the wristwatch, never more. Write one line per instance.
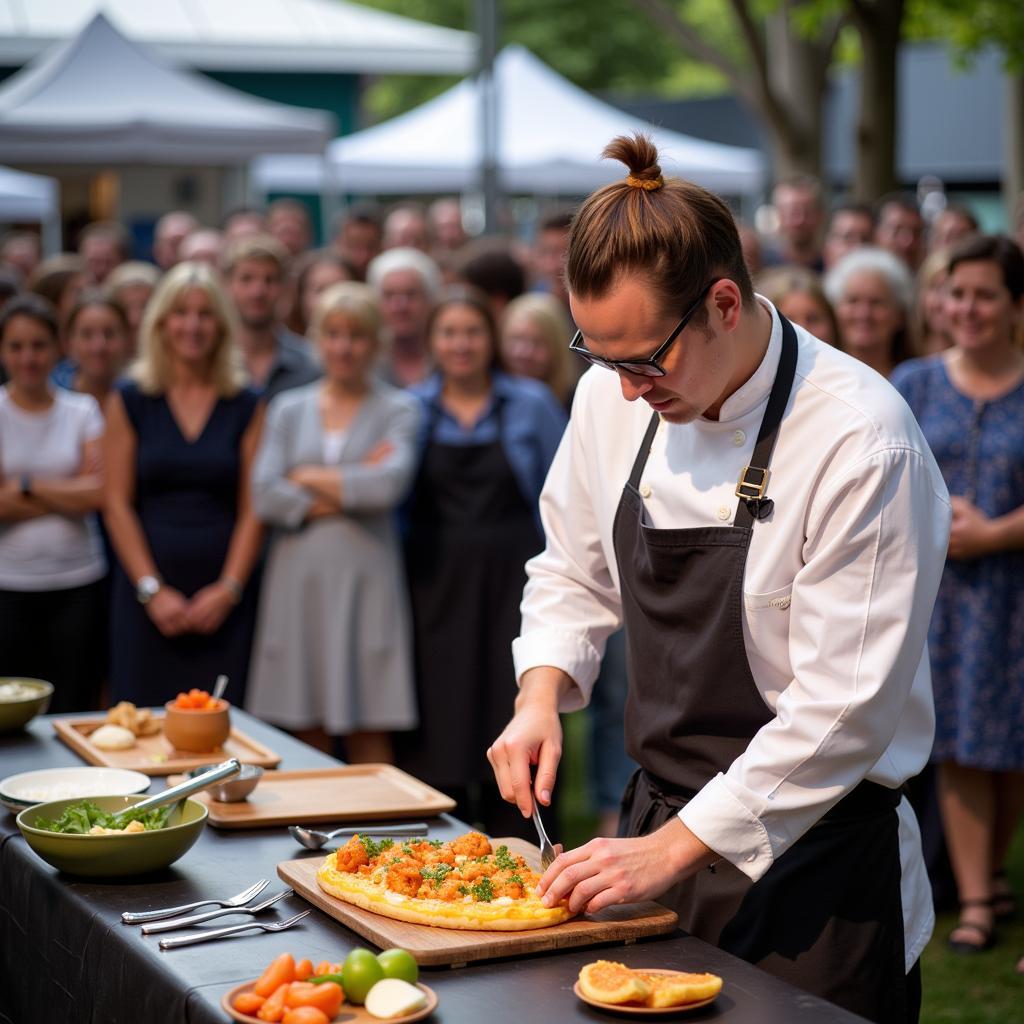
(146, 588)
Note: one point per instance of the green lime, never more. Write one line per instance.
(359, 973)
(399, 963)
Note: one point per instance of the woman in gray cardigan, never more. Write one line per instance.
(332, 655)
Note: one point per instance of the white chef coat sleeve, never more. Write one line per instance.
(875, 547)
(571, 604)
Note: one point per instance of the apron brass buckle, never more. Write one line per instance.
(753, 483)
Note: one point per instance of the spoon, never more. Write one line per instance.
(311, 839)
(220, 686)
(186, 788)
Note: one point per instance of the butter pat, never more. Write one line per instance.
(113, 737)
(392, 997)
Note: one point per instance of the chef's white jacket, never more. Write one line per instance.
(838, 588)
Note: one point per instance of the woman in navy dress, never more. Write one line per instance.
(969, 401)
(181, 436)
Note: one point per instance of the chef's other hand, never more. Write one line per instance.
(607, 872)
(533, 737)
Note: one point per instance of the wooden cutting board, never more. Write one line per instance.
(448, 946)
(153, 755)
(357, 792)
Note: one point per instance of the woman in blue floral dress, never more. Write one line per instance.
(970, 404)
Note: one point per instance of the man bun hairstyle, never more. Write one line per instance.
(677, 234)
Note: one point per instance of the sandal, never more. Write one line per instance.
(1004, 903)
(985, 933)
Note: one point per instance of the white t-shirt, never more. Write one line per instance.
(52, 552)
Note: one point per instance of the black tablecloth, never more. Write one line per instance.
(66, 956)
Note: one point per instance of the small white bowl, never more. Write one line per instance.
(30, 788)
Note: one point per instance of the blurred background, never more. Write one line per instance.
(923, 95)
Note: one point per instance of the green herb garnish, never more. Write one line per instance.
(435, 843)
(503, 859)
(437, 874)
(483, 890)
(463, 890)
(79, 819)
(375, 849)
(516, 879)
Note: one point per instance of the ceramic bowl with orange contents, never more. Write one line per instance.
(196, 722)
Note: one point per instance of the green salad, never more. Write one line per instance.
(82, 818)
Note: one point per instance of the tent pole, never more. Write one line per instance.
(487, 30)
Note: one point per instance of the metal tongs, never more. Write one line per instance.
(169, 796)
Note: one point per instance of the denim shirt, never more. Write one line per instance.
(522, 413)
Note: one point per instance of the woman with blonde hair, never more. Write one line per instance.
(337, 458)
(533, 333)
(181, 437)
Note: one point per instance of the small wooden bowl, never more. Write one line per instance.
(197, 730)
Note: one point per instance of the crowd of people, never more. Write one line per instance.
(317, 471)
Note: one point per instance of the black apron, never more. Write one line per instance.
(470, 534)
(827, 915)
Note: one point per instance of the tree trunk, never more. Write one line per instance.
(1013, 132)
(879, 25)
(797, 81)
(782, 78)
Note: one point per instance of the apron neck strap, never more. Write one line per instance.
(753, 482)
(645, 450)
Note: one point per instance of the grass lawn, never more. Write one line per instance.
(981, 989)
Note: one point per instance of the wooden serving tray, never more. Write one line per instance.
(153, 755)
(357, 792)
(448, 946)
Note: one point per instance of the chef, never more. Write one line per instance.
(764, 516)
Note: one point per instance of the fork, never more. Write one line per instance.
(219, 933)
(187, 922)
(240, 900)
(547, 850)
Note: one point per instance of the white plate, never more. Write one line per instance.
(30, 788)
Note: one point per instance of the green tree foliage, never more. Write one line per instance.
(968, 27)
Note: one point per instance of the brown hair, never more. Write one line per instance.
(676, 233)
(96, 297)
(255, 247)
(998, 249)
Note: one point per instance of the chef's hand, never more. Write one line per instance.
(533, 737)
(971, 533)
(606, 872)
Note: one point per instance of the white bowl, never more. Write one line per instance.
(30, 788)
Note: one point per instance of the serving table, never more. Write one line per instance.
(65, 956)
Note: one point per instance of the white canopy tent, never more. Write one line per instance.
(333, 36)
(31, 197)
(101, 98)
(550, 137)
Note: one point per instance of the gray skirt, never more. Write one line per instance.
(333, 642)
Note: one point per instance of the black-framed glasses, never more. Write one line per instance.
(649, 367)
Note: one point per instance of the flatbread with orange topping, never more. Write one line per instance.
(461, 884)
